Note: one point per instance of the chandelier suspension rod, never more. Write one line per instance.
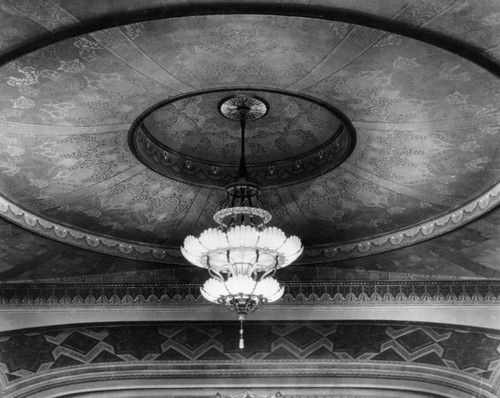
(242, 171)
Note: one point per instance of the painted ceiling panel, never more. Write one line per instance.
(16, 27)
(43, 167)
(76, 83)
(437, 163)
(416, 86)
(45, 13)
(402, 80)
(344, 206)
(18, 246)
(90, 9)
(384, 8)
(475, 23)
(356, 42)
(426, 124)
(218, 51)
(141, 208)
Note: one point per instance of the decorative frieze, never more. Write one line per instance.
(160, 254)
(296, 293)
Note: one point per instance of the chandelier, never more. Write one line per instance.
(242, 254)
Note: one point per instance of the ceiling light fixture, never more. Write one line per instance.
(242, 254)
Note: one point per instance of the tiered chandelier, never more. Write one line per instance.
(242, 254)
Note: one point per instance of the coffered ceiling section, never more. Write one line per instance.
(417, 158)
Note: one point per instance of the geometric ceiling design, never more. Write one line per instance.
(423, 109)
(63, 353)
(74, 350)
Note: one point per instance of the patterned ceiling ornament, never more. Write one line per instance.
(182, 139)
(242, 254)
(249, 394)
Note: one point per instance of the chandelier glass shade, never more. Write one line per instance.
(223, 251)
(242, 292)
(242, 254)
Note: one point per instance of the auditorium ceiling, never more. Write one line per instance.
(379, 149)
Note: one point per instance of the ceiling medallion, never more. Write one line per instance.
(242, 254)
(231, 107)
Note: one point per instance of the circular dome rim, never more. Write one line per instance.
(346, 129)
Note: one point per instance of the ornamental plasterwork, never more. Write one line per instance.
(129, 249)
(296, 294)
(109, 76)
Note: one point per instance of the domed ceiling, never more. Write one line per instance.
(112, 140)
(187, 138)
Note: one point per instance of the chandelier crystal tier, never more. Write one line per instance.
(242, 254)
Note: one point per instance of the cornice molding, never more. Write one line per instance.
(414, 234)
(313, 374)
(18, 295)
(170, 255)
